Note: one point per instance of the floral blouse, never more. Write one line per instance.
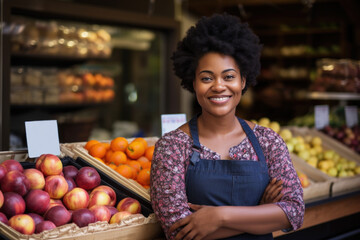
(171, 159)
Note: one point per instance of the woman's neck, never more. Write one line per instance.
(210, 125)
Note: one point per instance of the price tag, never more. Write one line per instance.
(351, 116)
(321, 116)
(170, 122)
(42, 137)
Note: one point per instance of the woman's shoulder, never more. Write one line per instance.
(177, 136)
(266, 133)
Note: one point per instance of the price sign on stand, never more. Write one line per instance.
(42, 137)
(321, 116)
(170, 122)
(351, 116)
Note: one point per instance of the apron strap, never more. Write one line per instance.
(254, 141)
(196, 143)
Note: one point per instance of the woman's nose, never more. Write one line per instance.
(218, 85)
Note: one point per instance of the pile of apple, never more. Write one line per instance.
(311, 150)
(266, 122)
(50, 195)
(348, 136)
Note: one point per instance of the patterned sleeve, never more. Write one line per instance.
(167, 187)
(281, 167)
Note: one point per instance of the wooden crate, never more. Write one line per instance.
(337, 185)
(76, 150)
(136, 227)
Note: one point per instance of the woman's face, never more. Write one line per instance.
(218, 84)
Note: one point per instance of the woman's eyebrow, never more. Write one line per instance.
(206, 71)
(227, 70)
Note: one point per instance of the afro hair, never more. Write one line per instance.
(221, 33)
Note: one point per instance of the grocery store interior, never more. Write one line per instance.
(102, 69)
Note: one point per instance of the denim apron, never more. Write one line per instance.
(227, 182)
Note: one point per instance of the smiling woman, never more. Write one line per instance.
(219, 176)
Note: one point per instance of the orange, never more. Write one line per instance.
(134, 172)
(90, 143)
(135, 164)
(149, 152)
(99, 159)
(97, 150)
(108, 155)
(125, 170)
(119, 144)
(118, 157)
(107, 146)
(113, 166)
(143, 161)
(146, 165)
(142, 140)
(143, 177)
(135, 149)
(146, 186)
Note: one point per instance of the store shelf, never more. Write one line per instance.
(298, 31)
(333, 96)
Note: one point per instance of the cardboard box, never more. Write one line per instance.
(138, 226)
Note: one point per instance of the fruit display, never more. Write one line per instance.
(337, 75)
(131, 159)
(34, 85)
(310, 148)
(37, 198)
(304, 179)
(266, 122)
(348, 136)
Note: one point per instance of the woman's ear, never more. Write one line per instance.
(243, 83)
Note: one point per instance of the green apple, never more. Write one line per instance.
(316, 141)
(313, 161)
(264, 122)
(304, 154)
(290, 147)
(329, 154)
(351, 165)
(342, 173)
(275, 126)
(300, 147)
(332, 171)
(357, 170)
(285, 134)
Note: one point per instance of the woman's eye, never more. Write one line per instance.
(205, 79)
(229, 77)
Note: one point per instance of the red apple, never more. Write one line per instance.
(12, 165)
(71, 183)
(70, 171)
(44, 225)
(37, 201)
(129, 204)
(15, 181)
(119, 216)
(55, 202)
(13, 204)
(37, 218)
(112, 210)
(56, 186)
(1, 198)
(99, 198)
(108, 190)
(102, 213)
(77, 198)
(59, 215)
(51, 165)
(22, 223)
(38, 161)
(3, 171)
(82, 217)
(87, 178)
(3, 218)
(35, 177)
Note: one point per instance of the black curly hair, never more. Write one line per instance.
(221, 33)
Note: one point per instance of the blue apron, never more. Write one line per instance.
(227, 182)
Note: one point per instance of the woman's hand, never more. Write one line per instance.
(205, 220)
(272, 192)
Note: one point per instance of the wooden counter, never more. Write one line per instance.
(333, 210)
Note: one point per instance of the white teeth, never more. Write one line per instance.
(220, 99)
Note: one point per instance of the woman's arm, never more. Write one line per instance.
(167, 185)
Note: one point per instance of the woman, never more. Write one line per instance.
(208, 177)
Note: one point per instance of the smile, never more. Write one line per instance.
(219, 99)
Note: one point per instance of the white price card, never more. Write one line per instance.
(42, 137)
(321, 116)
(170, 122)
(351, 116)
